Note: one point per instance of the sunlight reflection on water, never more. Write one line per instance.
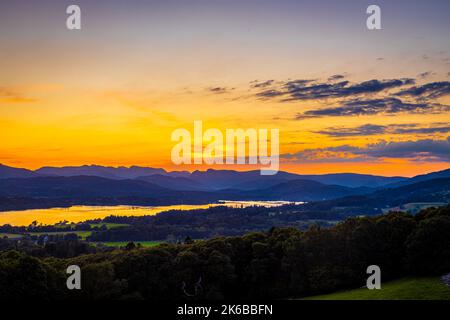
(82, 213)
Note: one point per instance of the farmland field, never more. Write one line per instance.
(124, 243)
(10, 236)
(82, 234)
(108, 225)
(404, 289)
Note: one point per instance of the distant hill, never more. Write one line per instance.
(10, 172)
(174, 183)
(436, 190)
(100, 171)
(248, 180)
(150, 191)
(304, 190)
(226, 179)
(84, 187)
(78, 186)
(422, 177)
(45, 192)
(216, 179)
(222, 184)
(354, 180)
(22, 191)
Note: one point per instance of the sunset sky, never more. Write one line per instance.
(346, 99)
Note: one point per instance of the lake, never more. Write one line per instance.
(81, 213)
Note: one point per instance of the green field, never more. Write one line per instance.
(93, 225)
(124, 243)
(403, 289)
(108, 225)
(82, 234)
(10, 236)
(415, 207)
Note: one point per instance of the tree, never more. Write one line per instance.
(130, 246)
(428, 247)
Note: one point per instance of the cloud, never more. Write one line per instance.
(372, 129)
(336, 77)
(427, 91)
(310, 89)
(342, 153)
(427, 149)
(360, 107)
(426, 74)
(420, 150)
(421, 130)
(11, 96)
(364, 130)
(261, 84)
(270, 93)
(220, 90)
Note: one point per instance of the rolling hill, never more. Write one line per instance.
(10, 172)
(174, 183)
(304, 190)
(100, 171)
(91, 187)
(430, 191)
(421, 178)
(247, 180)
(200, 180)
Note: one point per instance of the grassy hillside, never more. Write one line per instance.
(403, 289)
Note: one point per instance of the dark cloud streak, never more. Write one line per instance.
(420, 150)
(372, 107)
(372, 129)
(336, 77)
(311, 90)
(427, 91)
(219, 90)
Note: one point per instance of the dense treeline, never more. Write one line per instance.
(60, 227)
(211, 222)
(280, 263)
(60, 246)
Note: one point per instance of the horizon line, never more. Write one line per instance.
(209, 169)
